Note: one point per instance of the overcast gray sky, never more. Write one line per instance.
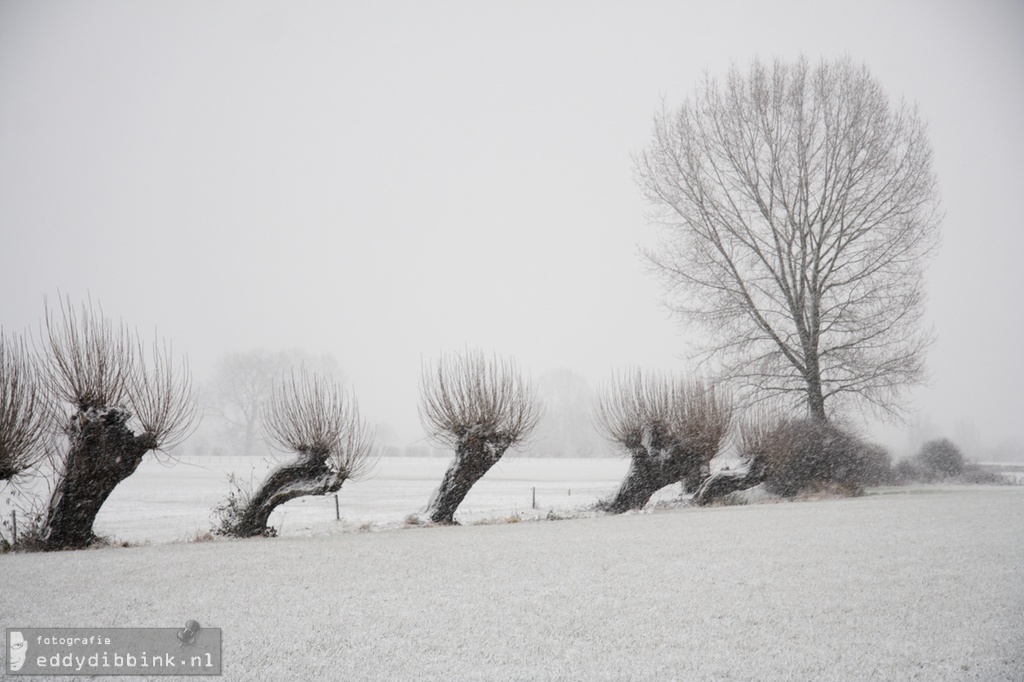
(384, 181)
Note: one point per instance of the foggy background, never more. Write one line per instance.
(380, 182)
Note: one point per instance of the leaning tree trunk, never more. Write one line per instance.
(103, 452)
(650, 470)
(474, 456)
(658, 460)
(308, 474)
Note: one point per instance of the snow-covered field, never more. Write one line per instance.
(163, 504)
(922, 584)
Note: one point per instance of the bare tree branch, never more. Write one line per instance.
(87, 361)
(310, 414)
(162, 397)
(23, 410)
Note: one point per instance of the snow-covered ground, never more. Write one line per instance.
(907, 585)
(166, 503)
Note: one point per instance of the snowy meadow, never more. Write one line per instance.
(172, 502)
(903, 583)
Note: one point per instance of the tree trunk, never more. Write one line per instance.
(725, 482)
(657, 461)
(308, 474)
(648, 473)
(815, 397)
(103, 452)
(474, 457)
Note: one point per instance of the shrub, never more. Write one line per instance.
(974, 474)
(800, 455)
(942, 456)
(877, 465)
(912, 471)
(231, 511)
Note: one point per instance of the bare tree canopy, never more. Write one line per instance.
(91, 364)
(467, 393)
(243, 385)
(670, 427)
(314, 418)
(308, 413)
(23, 409)
(800, 207)
(479, 408)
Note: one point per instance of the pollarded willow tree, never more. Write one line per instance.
(800, 207)
(123, 402)
(671, 429)
(479, 408)
(314, 418)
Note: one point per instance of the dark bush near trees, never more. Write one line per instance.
(942, 456)
(912, 470)
(940, 460)
(877, 465)
(801, 455)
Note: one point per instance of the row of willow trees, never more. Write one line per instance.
(86, 403)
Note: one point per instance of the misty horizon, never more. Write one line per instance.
(384, 183)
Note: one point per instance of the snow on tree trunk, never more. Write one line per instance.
(475, 454)
(103, 452)
(308, 474)
(657, 462)
(723, 483)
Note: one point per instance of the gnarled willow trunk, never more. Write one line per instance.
(308, 474)
(658, 461)
(103, 452)
(474, 456)
(652, 470)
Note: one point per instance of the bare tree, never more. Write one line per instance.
(313, 418)
(23, 410)
(479, 408)
(124, 402)
(800, 208)
(671, 429)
